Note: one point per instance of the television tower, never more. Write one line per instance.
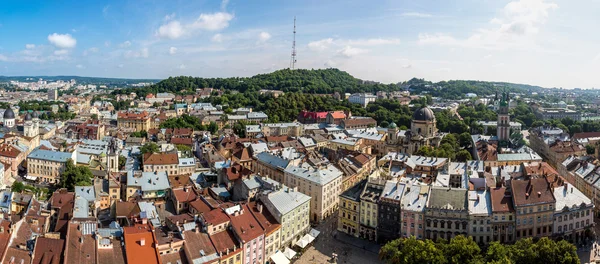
(293, 59)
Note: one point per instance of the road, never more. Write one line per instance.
(349, 249)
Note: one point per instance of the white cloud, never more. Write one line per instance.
(142, 53)
(224, 4)
(125, 44)
(107, 43)
(3, 58)
(217, 38)
(63, 41)
(407, 66)
(350, 51)
(61, 52)
(79, 66)
(324, 44)
(93, 49)
(416, 14)
(171, 30)
(320, 45)
(30, 46)
(212, 22)
(169, 17)
(519, 23)
(172, 50)
(264, 36)
(181, 67)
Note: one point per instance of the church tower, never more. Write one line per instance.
(503, 126)
(113, 157)
(28, 126)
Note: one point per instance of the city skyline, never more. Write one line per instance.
(526, 41)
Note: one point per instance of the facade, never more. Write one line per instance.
(47, 165)
(52, 94)
(503, 125)
(369, 199)
(362, 98)
(389, 211)
(480, 216)
(147, 185)
(137, 121)
(534, 203)
(503, 215)
(447, 213)
(249, 232)
(349, 210)
(423, 132)
(291, 209)
(323, 184)
(573, 214)
(161, 162)
(414, 201)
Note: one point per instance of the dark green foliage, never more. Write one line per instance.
(122, 162)
(149, 147)
(140, 134)
(17, 186)
(184, 121)
(75, 176)
(462, 249)
(589, 149)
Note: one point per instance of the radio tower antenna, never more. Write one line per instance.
(293, 59)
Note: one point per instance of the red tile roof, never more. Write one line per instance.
(80, 248)
(245, 225)
(586, 135)
(236, 171)
(182, 141)
(48, 251)
(140, 244)
(216, 217)
(195, 242)
(183, 196)
(4, 235)
(530, 192)
(225, 240)
(161, 158)
(501, 200)
(264, 218)
(133, 115)
(200, 206)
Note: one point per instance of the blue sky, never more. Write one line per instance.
(552, 43)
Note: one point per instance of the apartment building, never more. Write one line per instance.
(323, 184)
(414, 201)
(447, 213)
(503, 215)
(534, 203)
(369, 199)
(147, 185)
(573, 214)
(291, 209)
(349, 210)
(480, 216)
(134, 120)
(390, 210)
(47, 165)
(161, 162)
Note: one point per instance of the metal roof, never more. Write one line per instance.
(48, 155)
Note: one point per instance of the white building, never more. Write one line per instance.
(324, 185)
(362, 98)
(573, 214)
(291, 209)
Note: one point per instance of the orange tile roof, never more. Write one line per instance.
(245, 225)
(225, 240)
(200, 206)
(264, 218)
(133, 115)
(8, 150)
(216, 217)
(80, 248)
(338, 114)
(140, 244)
(182, 141)
(4, 236)
(196, 242)
(160, 158)
(183, 196)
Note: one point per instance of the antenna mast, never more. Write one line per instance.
(293, 59)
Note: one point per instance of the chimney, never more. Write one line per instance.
(539, 194)
(143, 242)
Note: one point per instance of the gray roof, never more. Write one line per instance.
(480, 203)
(149, 181)
(49, 155)
(569, 197)
(444, 198)
(415, 197)
(151, 212)
(82, 208)
(319, 176)
(257, 115)
(354, 192)
(252, 183)
(286, 200)
(86, 192)
(272, 160)
(393, 190)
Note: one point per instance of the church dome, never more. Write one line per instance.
(27, 117)
(424, 114)
(392, 125)
(9, 114)
(35, 114)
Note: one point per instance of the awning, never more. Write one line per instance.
(279, 258)
(31, 178)
(314, 232)
(289, 253)
(308, 238)
(302, 243)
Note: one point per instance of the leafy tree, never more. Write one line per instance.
(461, 249)
(463, 155)
(465, 140)
(239, 128)
(17, 186)
(184, 121)
(122, 161)
(94, 116)
(149, 147)
(411, 251)
(74, 175)
(212, 127)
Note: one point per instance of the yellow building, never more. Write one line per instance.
(47, 165)
(138, 121)
(349, 210)
(368, 208)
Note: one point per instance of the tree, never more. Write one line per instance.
(497, 253)
(410, 250)
(213, 127)
(94, 116)
(74, 175)
(461, 249)
(184, 149)
(239, 128)
(141, 133)
(122, 162)
(465, 140)
(463, 155)
(149, 147)
(17, 186)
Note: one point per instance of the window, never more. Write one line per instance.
(559, 229)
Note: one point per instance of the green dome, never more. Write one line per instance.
(392, 125)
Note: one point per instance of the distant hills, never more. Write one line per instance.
(315, 81)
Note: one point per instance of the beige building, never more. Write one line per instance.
(349, 210)
(534, 203)
(138, 121)
(161, 162)
(294, 129)
(323, 185)
(369, 199)
(47, 165)
(291, 209)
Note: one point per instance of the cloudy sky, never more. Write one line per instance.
(553, 43)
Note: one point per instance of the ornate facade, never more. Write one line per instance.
(423, 132)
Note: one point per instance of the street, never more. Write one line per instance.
(349, 249)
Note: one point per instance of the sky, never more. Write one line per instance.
(551, 43)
